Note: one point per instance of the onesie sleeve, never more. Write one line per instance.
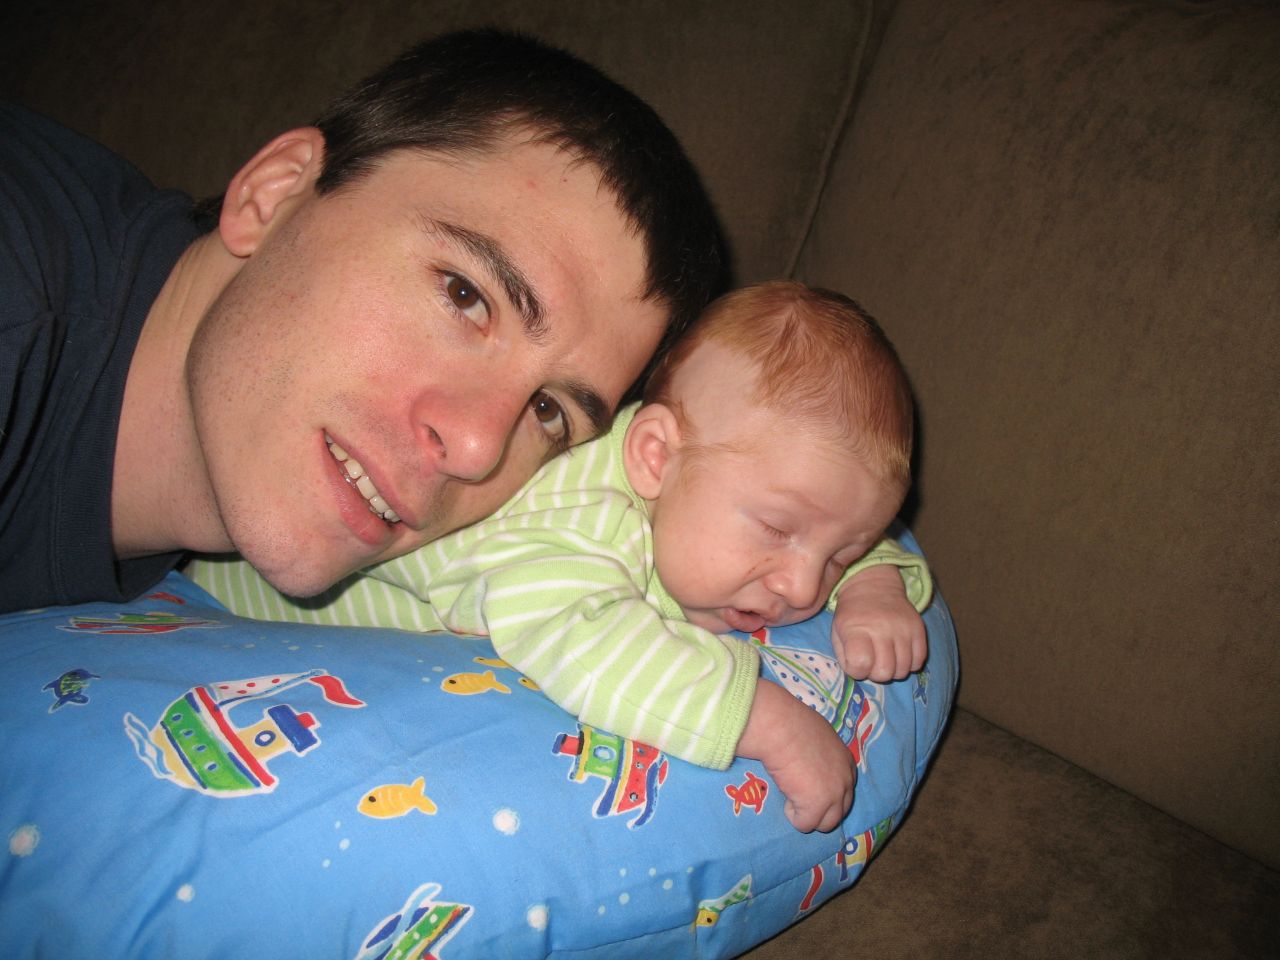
(916, 579)
(570, 613)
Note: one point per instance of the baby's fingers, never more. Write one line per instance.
(808, 819)
(898, 652)
(905, 651)
(919, 646)
(855, 650)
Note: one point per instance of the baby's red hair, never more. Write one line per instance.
(822, 361)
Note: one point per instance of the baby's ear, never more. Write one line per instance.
(651, 440)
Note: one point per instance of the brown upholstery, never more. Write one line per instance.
(1067, 215)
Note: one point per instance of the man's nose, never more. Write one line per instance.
(468, 436)
(797, 581)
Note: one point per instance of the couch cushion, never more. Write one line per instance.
(1068, 217)
(1012, 852)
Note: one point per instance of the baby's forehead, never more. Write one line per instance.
(754, 426)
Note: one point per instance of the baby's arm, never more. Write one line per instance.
(877, 631)
(615, 661)
(807, 760)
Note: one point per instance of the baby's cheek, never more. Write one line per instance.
(706, 621)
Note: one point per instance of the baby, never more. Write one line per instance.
(751, 489)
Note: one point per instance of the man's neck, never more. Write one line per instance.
(161, 500)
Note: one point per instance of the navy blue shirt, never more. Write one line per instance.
(86, 243)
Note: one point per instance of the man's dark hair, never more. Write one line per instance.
(460, 91)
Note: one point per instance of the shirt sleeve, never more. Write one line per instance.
(916, 579)
(571, 614)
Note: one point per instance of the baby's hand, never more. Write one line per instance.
(816, 776)
(876, 632)
(807, 760)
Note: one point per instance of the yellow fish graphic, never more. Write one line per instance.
(465, 684)
(502, 665)
(396, 799)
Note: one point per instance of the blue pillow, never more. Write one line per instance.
(179, 782)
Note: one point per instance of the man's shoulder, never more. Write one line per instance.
(35, 144)
(51, 175)
(85, 245)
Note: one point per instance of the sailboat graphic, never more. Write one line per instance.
(852, 707)
(196, 745)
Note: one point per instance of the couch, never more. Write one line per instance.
(1067, 215)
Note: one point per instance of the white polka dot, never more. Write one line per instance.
(600, 909)
(24, 840)
(653, 871)
(506, 821)
(537, 917)
(186, 893)
(667, 884)
(325, 863)
(344, 843)
(624, 898)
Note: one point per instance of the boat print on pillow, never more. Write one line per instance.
(196, 745)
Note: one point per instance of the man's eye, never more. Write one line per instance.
(466, 299)
(550, 415)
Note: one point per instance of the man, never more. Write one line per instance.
(399, 315)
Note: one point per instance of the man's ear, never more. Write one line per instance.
(647, 449)
(268, 187)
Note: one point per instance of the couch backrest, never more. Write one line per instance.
(1068, 216)
(756, 90)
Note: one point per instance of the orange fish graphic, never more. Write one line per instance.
(469, 684)
(396, 799)
(750, 793)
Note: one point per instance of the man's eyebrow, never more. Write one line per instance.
(593, 405)
(489, 252)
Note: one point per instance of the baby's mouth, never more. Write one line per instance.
(360, 480)
(744, 621)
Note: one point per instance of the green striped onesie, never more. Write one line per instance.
(561, 579)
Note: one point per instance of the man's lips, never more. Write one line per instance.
(362, 483)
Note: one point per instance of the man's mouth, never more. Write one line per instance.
(360, 480)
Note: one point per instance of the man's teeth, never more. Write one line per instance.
(360, 480)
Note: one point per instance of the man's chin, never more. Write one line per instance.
(300, 586)
(294, 577)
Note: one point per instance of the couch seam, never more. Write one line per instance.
(840, 122)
